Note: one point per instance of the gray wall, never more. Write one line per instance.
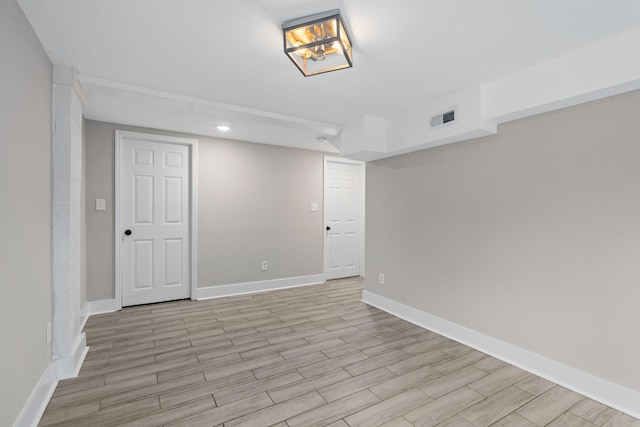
(531, 236)
(25, 212)
(83, 223)
(253, 205)
(99, 167)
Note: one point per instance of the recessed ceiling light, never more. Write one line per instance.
(223, 128)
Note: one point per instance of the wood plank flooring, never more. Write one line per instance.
(310, 356)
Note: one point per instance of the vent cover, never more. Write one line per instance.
(442, 119)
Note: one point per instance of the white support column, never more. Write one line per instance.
(69, 344)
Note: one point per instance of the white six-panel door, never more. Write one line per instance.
(155, 216)
(343, 219)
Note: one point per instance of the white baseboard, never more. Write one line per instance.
(596, 388)
(39, 399)
(69, 366)
(101, 306)
(261, 286)
(84, 315)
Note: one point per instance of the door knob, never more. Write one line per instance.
(127, 232)
(328, 228)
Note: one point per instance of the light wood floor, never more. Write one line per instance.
(311, 356)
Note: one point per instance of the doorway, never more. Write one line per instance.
(155, 207)
(343, 218)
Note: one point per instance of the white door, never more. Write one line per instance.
(343, 217)
(154, 221)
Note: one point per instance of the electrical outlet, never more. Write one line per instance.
(265, 266)
(48, 332)
(381, 278)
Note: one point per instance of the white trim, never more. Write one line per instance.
(361, 210)
(599, 389)
(363, 193)
(194, 218)
(101, 306)
(261, 286)
(193, 197)
(36, 404)
(118, 219)
(84, 316)
(69, 367)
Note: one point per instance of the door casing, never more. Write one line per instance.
(120, 138)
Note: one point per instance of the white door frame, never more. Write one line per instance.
(361, 210)
(193, 203)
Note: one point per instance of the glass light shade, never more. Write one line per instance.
(318, 43)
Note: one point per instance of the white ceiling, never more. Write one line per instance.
(228, 57)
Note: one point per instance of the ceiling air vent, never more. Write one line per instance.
(442, 119)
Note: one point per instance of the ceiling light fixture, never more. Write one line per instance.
(318, 43)
(223, 128)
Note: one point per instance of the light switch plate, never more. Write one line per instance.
(314, 207)
(101, 205)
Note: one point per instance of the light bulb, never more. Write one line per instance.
(301, 52)
(337, 47)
